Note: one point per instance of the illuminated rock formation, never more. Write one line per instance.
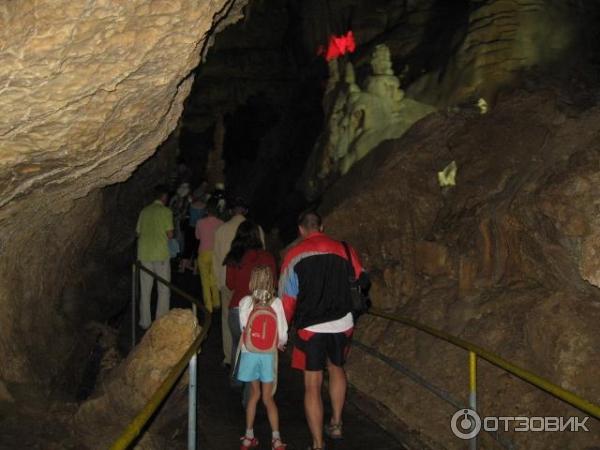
(359, 120)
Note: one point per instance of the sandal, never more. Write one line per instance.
(334, 431)
(277, 444)
(248, 443)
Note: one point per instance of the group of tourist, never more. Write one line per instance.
(240, 277)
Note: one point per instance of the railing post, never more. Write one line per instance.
(192, 404)
(134, 276)
(192, 396)
(473, 392)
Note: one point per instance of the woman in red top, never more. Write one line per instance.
(246, 253)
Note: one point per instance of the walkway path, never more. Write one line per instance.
(221, 417)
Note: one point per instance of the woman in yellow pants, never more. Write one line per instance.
(210, 290)
(205, 233)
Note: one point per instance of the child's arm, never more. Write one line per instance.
(245, 308)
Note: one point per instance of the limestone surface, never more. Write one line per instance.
(506, 259)
(5, 395)
(88, 90)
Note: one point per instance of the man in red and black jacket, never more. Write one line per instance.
(315, 290)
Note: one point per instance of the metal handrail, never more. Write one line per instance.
(540, 382)
(446, 396)
(137, 424)
(474, 351)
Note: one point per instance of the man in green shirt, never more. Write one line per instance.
(154, 229)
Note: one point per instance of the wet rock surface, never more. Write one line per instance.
(119, 397)
(505, 259)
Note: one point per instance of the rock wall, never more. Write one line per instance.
(505, 259)
(89, 91)
(444, 54)
(117, 400)
(499, 40)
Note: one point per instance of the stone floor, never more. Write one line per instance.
(221, 417)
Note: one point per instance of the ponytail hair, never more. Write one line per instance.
(261, 284)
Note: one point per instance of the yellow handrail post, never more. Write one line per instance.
(473, 392)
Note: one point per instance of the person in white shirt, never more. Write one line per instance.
(258, 367)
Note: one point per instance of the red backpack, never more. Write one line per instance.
(260, 334)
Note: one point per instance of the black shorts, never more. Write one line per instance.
(312, 350)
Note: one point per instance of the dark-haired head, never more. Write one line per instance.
(161, 192)
(246, 238)
(309, 222)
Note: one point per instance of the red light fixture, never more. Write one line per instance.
(338, 46)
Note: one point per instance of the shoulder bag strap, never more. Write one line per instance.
(349, 258)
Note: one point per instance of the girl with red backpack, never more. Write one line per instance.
(264, 332)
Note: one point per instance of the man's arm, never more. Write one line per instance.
(282, 326)
(289, 286)
(288, 291)
(169, 224)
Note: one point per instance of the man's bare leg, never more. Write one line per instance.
(313, 405)
(337, 391)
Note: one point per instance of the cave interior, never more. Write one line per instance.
(454, 144)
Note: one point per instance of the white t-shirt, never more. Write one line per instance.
(246, 305)
(334, 326)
